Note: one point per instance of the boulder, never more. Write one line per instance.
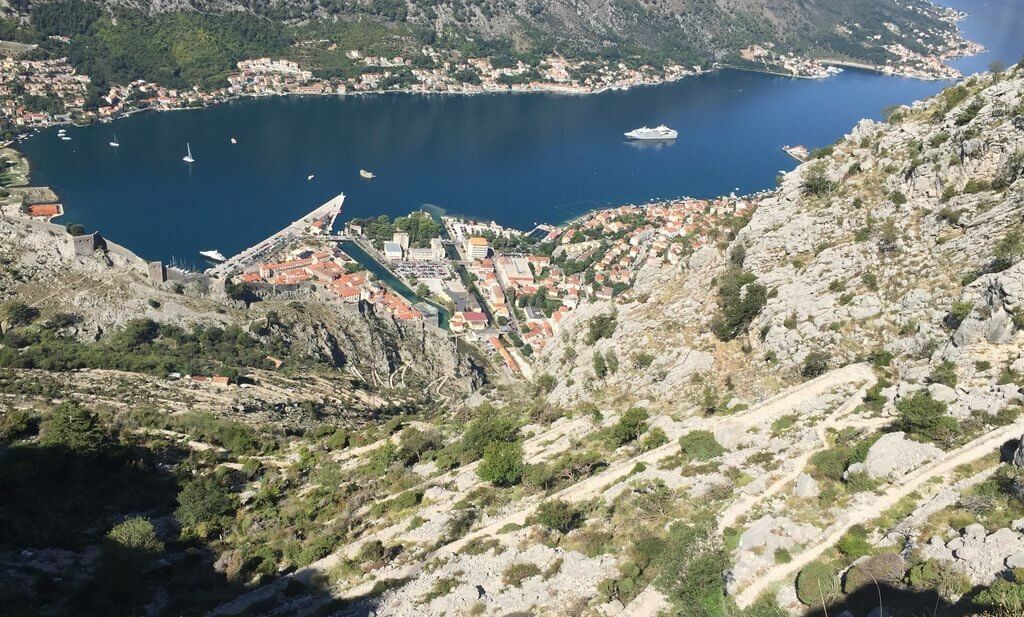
(806, 487)
(894, 456)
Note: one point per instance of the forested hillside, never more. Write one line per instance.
(198, 42)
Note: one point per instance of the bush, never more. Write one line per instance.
(1004, 595)
(692, 563)
(945, 374)
(516, 573)
(75, 428)
(818, 584)
(854, 543)
(740, 299)
(601, 326)
(643, 359)
(700, 445)
(887, 568)
(830, 464)
(136, 533)
(940, 576)
(502, 464)
(488, 430)
(957, 314)
(815, 179)
(922, 415)
(815, 364)
(631, 425)
(202, 501)
(20, 314)
(17, 423)
(558, 515)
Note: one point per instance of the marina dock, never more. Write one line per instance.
(319, 221)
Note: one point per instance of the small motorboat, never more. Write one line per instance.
(310, 177)
(366, 174)
(234, 141)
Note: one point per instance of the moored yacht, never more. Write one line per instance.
(658, 132)
(214, 256)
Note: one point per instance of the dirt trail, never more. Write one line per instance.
(581, 491)
(971, 451)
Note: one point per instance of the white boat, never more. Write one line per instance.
(65, 138)
(115, 143)
(234, 141)
(215, 256)
(310, 177)
(188, 156)
(658, 132)
(366, 174)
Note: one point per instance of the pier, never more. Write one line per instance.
(322, 218)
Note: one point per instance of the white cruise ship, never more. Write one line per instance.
(658, 132)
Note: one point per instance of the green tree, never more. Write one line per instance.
(815, 364)
(73, 427)
(202, 500)
(631, 425)
(558, 515)
(600, 366)
(920, 414)
(502, 464)
(740, 299)
(20, 314)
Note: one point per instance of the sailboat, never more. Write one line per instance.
(188, 156)
(115, 143)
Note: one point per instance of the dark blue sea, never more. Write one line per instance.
(518, 159)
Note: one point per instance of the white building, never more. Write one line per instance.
(477, 247)
(393, 251)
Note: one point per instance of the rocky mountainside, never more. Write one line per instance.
(816, 409)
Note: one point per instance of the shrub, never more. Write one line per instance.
(545, 383)
(854, 543)
(700, 445)
(75, 229)
(17, 423)
(371, 551)
(922, 415)
(815, 179)
(516, 573)
(136, 533)
(887, 568)
(600, 366)
(202, 501)
(830, 464)
(487, 430)
(502, 464)
(740, 299)
(1006, 596)
(20, 314)
(782, 556)
(654, 438)
(631, 425)
(643, 359)
(75, 428)
(601, 326)
(944, 373)
(558, 515)
(815, 364)
(940, 576)
(692, 563)
(970, 112)
(898, 198)
(818, 584)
